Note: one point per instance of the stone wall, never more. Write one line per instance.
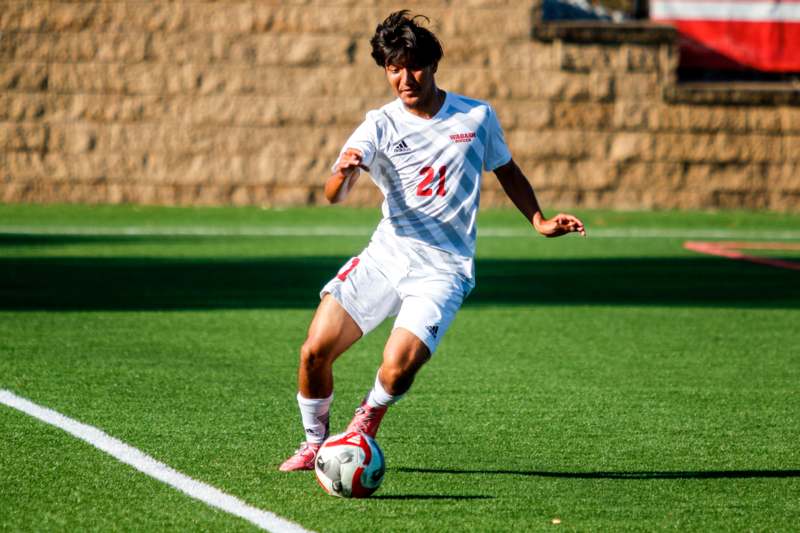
(242, 103)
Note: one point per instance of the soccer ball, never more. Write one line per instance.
(350, 465)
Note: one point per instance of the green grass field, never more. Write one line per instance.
(617, 382)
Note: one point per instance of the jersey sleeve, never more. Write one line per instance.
(364, 139)
(497, 152)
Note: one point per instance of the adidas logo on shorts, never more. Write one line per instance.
(401, 148)
(433, 330)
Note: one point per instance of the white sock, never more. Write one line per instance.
(378, 397)
(315, 413)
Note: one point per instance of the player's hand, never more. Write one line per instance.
(561, 224)
(350, 164)
(346, 172)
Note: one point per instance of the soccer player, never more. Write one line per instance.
(426, 151)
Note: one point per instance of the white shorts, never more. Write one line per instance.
(378, 284)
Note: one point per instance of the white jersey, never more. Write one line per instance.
(429, 171)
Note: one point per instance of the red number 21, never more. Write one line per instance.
(424, 188)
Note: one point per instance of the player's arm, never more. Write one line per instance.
(345, 174)
(519, 190)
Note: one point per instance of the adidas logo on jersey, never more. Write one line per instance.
(401, 148)
(433, 330)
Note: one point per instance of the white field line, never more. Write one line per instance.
(146, 464)
(364, 231)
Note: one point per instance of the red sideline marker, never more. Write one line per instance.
(731, 250)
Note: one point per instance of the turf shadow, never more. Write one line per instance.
(430, 497)
(150, 283)
(701, 474)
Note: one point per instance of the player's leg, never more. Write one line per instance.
(353, 303)
(332, 331)
(428, 308)
(403, 356)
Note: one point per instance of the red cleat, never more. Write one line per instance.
(367, 419)
(303, 458)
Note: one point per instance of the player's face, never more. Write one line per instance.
(414, 85)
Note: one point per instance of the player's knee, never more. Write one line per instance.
(313, 354)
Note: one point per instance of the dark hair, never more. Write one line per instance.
(399, 40)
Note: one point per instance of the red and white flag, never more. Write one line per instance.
(752, 34)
